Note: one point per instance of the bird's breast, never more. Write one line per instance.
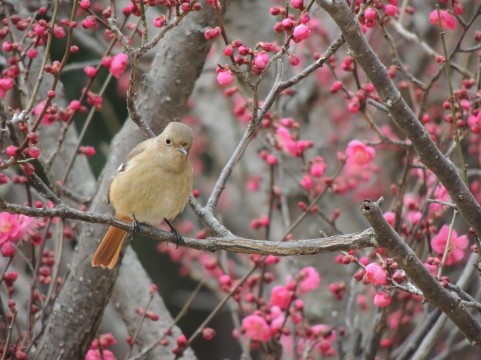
(151, 191)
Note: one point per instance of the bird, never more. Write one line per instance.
(153, 184)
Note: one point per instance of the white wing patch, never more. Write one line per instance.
(124, 167)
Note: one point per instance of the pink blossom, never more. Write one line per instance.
(360, 153)
(390, 217)
(9, 227)
(90, 71)
(375, 274)
(335, 87)
(5, 85)
(390, 10)
(118, 65)
(89, 22)
(159, 21)
(310, 280)
(307, 183)
(75, 105)
(382, 299)
(87, 151)
(278, 316)
(256, 328)
(324, 335)
(32, 53)
(297, 4)
(457, 245)
(301, 32)
(8, 250)
(84, 4)
(95, 355)
(285, 140)
(271, 159)
(58, 32)
(212, 33)
(224, 77)
(318, 166)
(370, 13)
(11, 150)
(253, 184)
(261, 60)
(448, 21)
(46, 119)
(281, 297)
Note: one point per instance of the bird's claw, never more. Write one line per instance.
(178, 238)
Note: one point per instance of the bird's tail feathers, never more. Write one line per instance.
(108, 252)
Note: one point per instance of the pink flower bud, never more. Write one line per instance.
(87, 150)
(33, 151)
(370, 14)
(445, 19)
(224, 77)
(11, 150)
(375, 274)
(84, 4)
(390, 10)
(159, 21)
(75, 105)
(208, 333)
(297, 4)
(31, 53)
(261, 60)
(301, 32)
(212, 33)
(90, 71)
(382, 299)
(118, 65)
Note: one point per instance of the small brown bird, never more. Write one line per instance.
(153, 184)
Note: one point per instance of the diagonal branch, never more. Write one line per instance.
(432, 290)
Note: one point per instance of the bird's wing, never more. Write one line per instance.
(138, 149)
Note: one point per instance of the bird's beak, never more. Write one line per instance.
(183, 150)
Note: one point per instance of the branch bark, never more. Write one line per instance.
(432, 290)
(79, 307)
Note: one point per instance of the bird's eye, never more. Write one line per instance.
(168, 141)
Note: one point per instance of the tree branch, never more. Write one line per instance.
(420, 275)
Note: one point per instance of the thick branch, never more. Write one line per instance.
(420, 275)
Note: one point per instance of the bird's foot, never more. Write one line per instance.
(135, 228)
(178, 238)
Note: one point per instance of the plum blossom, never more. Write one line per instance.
(256, 328)
(5, 85)
(318, 166)
(95, 355)
(324, 336)
(224, 77)
(281, 297)
(457, 244)
(307, 183)
(448, 21)
(375, 274)
(382, 299)
(301, 32)
(360, 153)
(310, 279)
(118, 65)
(285, 140)
(13, 228)
(261, 60)
(47, 119)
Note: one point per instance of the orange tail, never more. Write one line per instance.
(108, 252)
